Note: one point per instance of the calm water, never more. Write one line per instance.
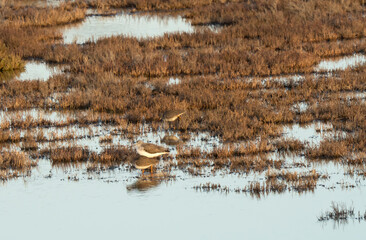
(93, 209)
(134, 25)
(33, 70)
(341, 63)
(36, 70)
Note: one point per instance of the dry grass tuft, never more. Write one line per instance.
(68, 155)
(41, 17)
(14, 164)
(328, 149)
(8, 61)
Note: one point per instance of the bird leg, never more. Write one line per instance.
(143, 172)
(151, 170)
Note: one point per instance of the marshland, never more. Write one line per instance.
(270, 140)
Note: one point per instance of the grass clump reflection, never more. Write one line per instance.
(341, 214)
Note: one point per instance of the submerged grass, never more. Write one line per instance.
(74, 155)
(341, 214)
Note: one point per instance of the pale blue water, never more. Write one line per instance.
(341, 63)
(36, 70)
(134, 25)
(53, 208)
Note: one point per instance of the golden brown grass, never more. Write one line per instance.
(328, 149)
(122, 80)
(145, 5)
(8, 61)
(9, 137)
(67, 155)
(287, 176)
(14, 164)
(109, 157)
(114, 156)
(289, 145)
(279, 182)
(257, 189)
(271, 40)
(106, 139)
(41, 17)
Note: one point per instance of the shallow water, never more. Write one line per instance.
(36, 114)
(58, 207)
(323, 69)
(174, 81)
(312, 133)
(134, 25)
(300, 107)
(36, 70)
(89, 137)
(49, 3)
(355, 96)
(341, 63)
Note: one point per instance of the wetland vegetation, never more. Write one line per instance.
(257, 80)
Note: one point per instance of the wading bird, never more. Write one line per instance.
(172, 115)
(144, 163)
(150, 150)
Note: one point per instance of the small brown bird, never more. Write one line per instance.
(172, 115)
(144, 163)
(150, 150)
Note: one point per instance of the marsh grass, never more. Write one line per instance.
(289, 145)
(276, 182)
(106, 139)
(9, 61)
(209, 187)
(10, 137)
(14, 164)
(41, 17)
(75, 155)
(280, 182)
(121, 81)
(67, 155)
(328, 149)
(115, 156)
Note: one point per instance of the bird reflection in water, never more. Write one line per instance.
(171, 140)
(145, 183)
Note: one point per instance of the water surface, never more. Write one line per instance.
(133, 25)
(101, 206)
(341, 63)
(38, 70)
